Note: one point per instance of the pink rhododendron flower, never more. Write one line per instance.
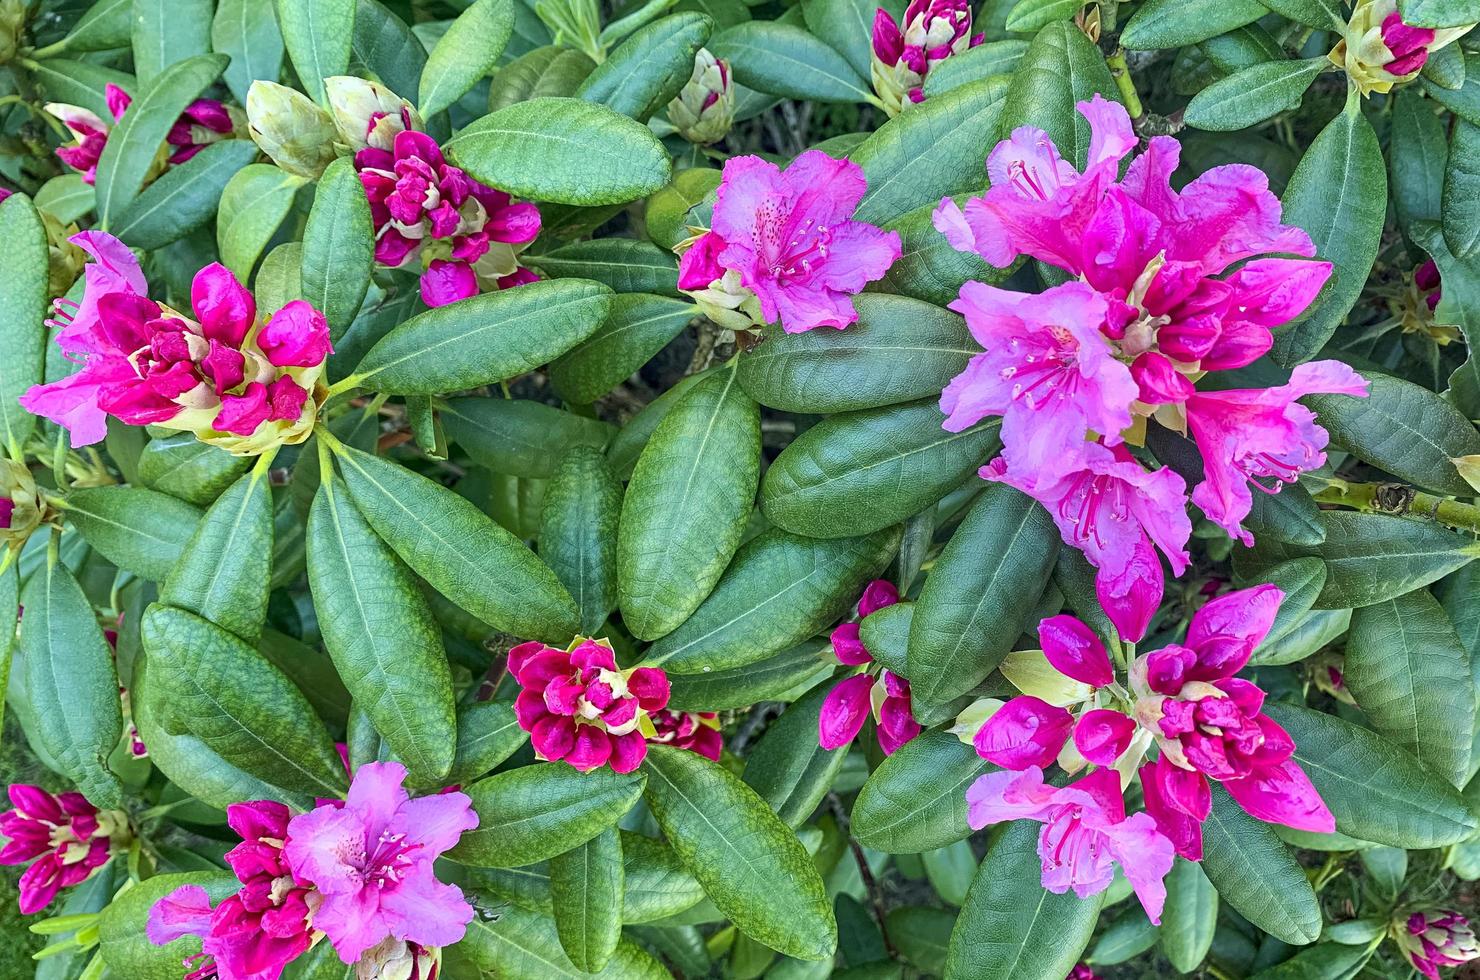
(1436, 938)
(697, 731)
(933, 31)
(65, 837)
(884, 694)
(1246, 436)
(372, 857)
(1086, 831)
(790, 242)
(254, 933)
(578, 707)
(467, 236)
(204, 121)
(233, 381)
(1209, 725)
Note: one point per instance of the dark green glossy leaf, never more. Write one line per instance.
(518, 437)
(487, 734)
(916, 800)
(627, 265)
(638, 327)
(765, 680)
(256, 200)
(1060, 69)
(164, 32)
(1254, 94)
(24, 298)
(338, 246)
(185, 198)
(784, 59)
(247, 30)
(647, 70)
(1255, 873)
(183, 466)
(1173, 23)
(466, 53)
(578, 533)
(586, 894)
(525, 944)
(535, 812)
(139, 530)
(787, 768)
(1190, 917)
(318, 35)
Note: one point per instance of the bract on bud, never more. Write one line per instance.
(290, 128)
(22, 506)
(367, 113)
(705, 109)
(1380, 50)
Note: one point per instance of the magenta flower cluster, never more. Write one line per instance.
(204, 121)
(873, 690)
(64, 837)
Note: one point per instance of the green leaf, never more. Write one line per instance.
(466, 53)
(338, 246)
(982, 61)
(125, 947)
(788, 768)
(185, 197)
(519, 437)
(487, 734)
(783, 59)
(1060, 69)
(886, 634)
(932, 151)
(1459, 210)
(247, 30)
(846, 26)
(1011, 927)
(1254, 94)
(458, 549)
(578, 533)
(792, 669)
(1408, 671)
(567, 151)
(627, 445)
(168, 31)
(683, 203)
(25, 296)
(207, 683)
(318, 34)
(535, 812)
(379, 631)
(70, 681)
(66, 197)
(183, 466)
(1255, 873)
(1190, 917)
(1339, 194)
(1127, 936)
(647, 70)
(1417, 157)
(1301, 580)
(223, 573)
(860, 471)
(526, 944)
(627, 265)
(256, 200)
(1370, 558)
(921, 935)
(687, 505)
(750, 863)
(383, 43)
(928, 268)
(779, 590)
(1377, 791)
(1322, 14)
(638, 327)
(1173, 23)
(586, 891)
(106, 25)
(1439, 13)
(916, 800)
(900, 350)
(1404, 429)
(1323, 960)
(541, 73)
(1290, 515)
(139, 530)
(484, 339)
(80, 83)
(1027, 16)
(135, 141)
(978, 597)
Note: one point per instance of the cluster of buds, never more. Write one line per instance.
(293, 130)
(704, 109)
(1435, 938)
(204, 121)
(580, 708)
(23, 507)
(1379, 50)
(933, 31)
(874, 690)
(236, 381)
(697, 731)
(67, 838)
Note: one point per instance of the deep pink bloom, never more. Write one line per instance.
(1082, 972)
(1438, 937)
(1045, 368)
(1102, 735)
(1025, 732)
(791, 237)
(697, 731)
(465, 234)
(204, 121)
(254, 933)
(1409, 45)
(1425, 278)
(579, 708)
(844, 711)
(1075, 651)
(885, 694)
(296, 336)
(1086, 830)
(89, 130)
(372, 861)
(1248, 435)
(1210, 724)
(4, 193)
(896, 718)
(933, 31)
(65, 837)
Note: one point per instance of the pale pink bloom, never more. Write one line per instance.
(1261, 434)
(1086, 831)
(791, 238)
(372, 857)
(885, 694)
(64, 837)
(933, 31)
(579, 708)
(1435, 938)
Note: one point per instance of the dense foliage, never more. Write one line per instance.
(744, 488)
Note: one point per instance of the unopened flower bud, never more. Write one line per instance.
(718, 291)
(1379, 49)
(368, 114)
(1434, 938)
(22, 507)
(933, 31)
(12, 21)
(704, 111)
(1415, 307)
(289, 127)
(397, 959)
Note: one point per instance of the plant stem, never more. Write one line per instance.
(1121, 72)
(1398, 500)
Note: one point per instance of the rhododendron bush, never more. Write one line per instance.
(739, 488)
